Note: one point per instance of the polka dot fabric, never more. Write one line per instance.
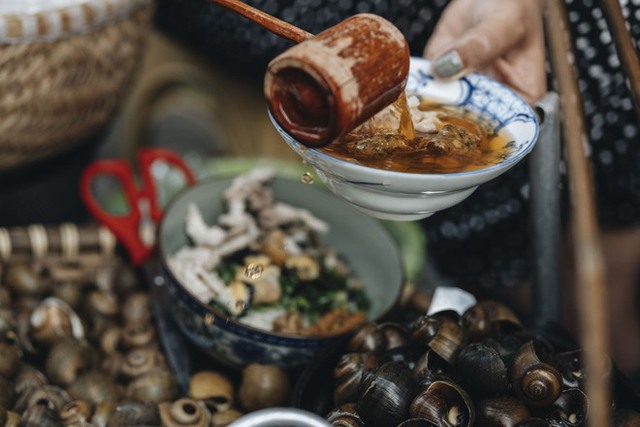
(485, 241)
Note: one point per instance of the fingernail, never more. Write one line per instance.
(448, 65)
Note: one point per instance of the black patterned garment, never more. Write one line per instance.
(485, 240)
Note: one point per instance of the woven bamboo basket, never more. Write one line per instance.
(65, 67)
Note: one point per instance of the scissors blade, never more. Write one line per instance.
(171, 339)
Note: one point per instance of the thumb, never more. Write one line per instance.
(474, 49)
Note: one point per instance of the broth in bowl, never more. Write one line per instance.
(417, 136)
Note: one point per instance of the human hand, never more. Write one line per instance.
(501, 38)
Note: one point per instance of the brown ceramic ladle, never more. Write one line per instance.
(329, 83)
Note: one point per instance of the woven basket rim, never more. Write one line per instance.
(53, 24)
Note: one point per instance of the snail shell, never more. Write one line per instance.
(111, 339)
(184, 412)
(24, 280)
(7, 394)
(489, 318)
(10, 419)
(138, 335)
(345, 415)
(140, 361)
(28, 377)
(263, 386)
(570, 366)
(350, 372)
(395, 335)
(214, 389)
(67, 359)
(102, 303)
(41, 416)
(102, 413)
(482, 370)
(69, 292)
(134, 413)
(571, 408)
(95, 387)
(386, 395)
(368, 338)
(75, 412)
(10, 359)
(538, 384)
(48, 395)
(137, 309)
(441, 333)
(503, 410)
(7, 321)
(444, 403)
(52, 320)
(159, 385)
(429, 366)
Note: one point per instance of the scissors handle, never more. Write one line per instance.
(146, 158)
(126, 226)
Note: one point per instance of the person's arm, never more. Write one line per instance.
(502, 38)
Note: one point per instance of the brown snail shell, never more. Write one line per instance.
(386, 395)
(24, 280)
(134, 413)
(50, 395)
(489, 318)
(226, 417)
(538, 384)
(395, 335)
(501, 411)
(111, 339)
(368, 338)
(95, 387)
(70, 292)
(482, 370)
(102, 413)
(102, 303)
(52, 320)
(444, 403)
(41, 416)
(570, 366)
(263, 386)
(441, 333)
(7, 321)
(157, 386)
(7, 394)
(137, 309)
(140, 361)
(28, 377)
(75, 412)
(184, 412)
(216, 390)
(350, 372)
(10, 359)
(138, 335)
(67, 359)
(571, 408)
(10, 419)
(429, 366)
(345, 415)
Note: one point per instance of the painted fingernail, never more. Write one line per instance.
(448, 65)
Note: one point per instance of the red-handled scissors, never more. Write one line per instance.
(135, 229)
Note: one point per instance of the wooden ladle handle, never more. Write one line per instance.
(271, 23)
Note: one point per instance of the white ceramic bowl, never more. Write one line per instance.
(399, 196)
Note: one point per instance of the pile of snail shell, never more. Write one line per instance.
(84, 355)
(480, 368)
